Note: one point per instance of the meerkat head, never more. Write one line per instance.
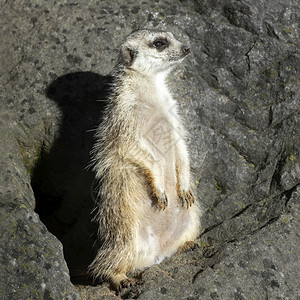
(152, 52)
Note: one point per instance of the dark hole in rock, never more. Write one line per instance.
(61, 180)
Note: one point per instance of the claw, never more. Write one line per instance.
(162, 199)
(187, 198)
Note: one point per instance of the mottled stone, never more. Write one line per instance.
(239, 94)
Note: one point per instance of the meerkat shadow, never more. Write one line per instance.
(61, 180)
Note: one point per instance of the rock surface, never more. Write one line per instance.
(239, 92)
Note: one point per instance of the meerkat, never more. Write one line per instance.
(146, 209)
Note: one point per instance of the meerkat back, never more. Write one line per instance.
(146, 207)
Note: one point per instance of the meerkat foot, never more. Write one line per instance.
(128, 282)
(187, 198)
(189, 245)
(125, 283)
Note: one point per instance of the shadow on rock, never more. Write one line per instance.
(61, 181)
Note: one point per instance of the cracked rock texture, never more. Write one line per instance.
(239, 93)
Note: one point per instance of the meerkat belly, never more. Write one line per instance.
(162, 233)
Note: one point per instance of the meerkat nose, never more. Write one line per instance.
(186, 50)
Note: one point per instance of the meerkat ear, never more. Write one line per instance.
(128, 55)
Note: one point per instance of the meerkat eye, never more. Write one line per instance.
(160, 44)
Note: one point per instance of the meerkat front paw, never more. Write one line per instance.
(161, 199)
(186, 198)
(157, 190)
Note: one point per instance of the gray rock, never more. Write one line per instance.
(32, 263)
(239, 93)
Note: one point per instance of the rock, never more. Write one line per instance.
(32, 263)
(261, 266)
(239, 94)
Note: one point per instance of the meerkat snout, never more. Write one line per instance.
(185, 49)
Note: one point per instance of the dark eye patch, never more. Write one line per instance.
(160, 44)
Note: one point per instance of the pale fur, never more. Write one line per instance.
(136, 169)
